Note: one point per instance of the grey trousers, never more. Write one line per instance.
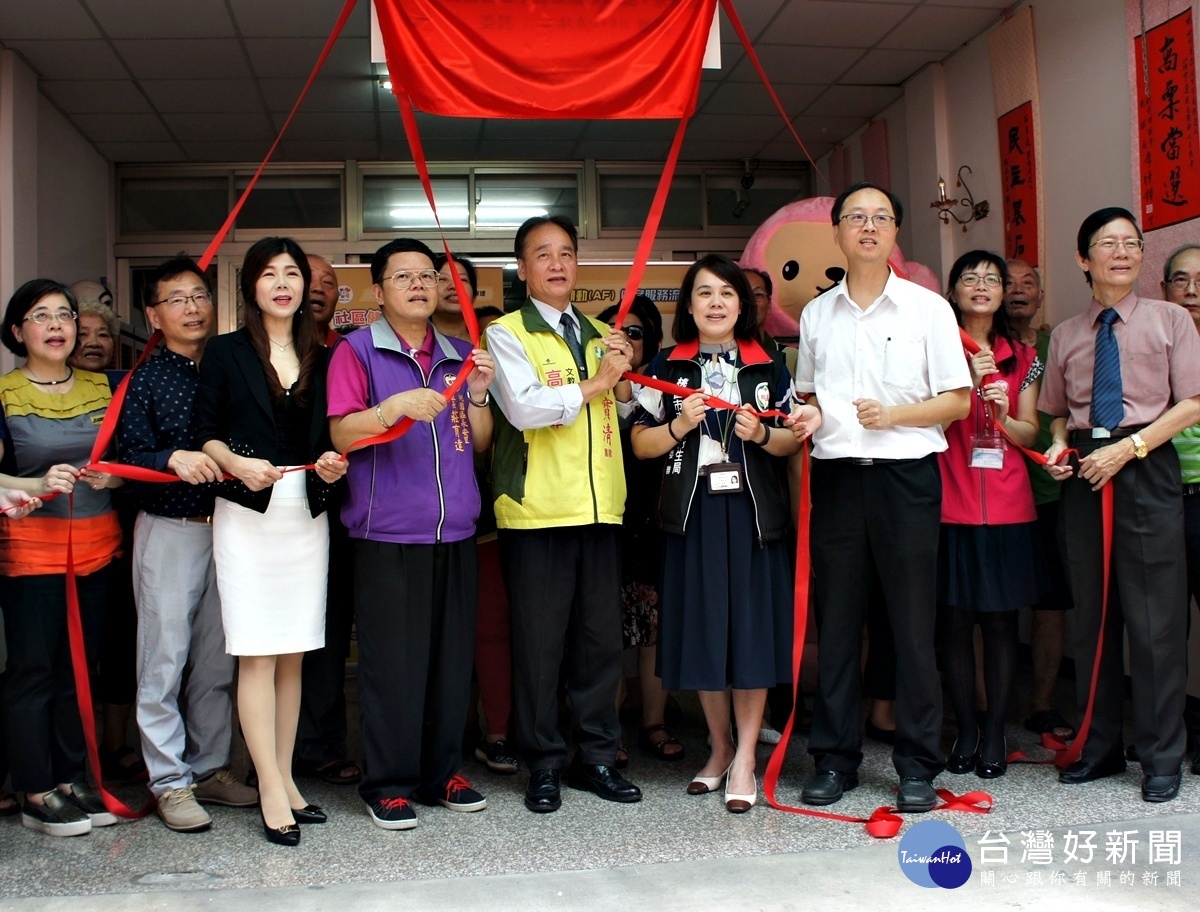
(185, 679)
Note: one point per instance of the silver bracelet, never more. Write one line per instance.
(487, 398)
(379, 415)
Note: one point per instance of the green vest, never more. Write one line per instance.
(568, 474)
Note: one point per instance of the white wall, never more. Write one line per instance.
(73, 199)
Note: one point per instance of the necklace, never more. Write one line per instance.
(282, 348)
(70, 374)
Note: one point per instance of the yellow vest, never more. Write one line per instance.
(568, 474)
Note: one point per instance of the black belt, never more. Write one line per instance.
(1083, 434)
(1192, 488)
(869, 461)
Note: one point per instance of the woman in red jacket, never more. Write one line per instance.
(989, 560)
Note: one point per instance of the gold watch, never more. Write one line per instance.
(1139, 446)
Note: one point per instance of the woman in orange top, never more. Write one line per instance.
(50, 415)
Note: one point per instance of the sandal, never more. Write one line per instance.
(622, 759)
(335, 772)
(1050, 722)
(122, 764)
(659, 748)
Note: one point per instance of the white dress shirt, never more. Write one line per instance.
(902, 350)
(527, 403)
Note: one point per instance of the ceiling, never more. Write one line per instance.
(213, 80)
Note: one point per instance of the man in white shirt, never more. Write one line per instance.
(559, 488)
(884, 364)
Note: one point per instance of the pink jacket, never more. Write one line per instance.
(977, 497)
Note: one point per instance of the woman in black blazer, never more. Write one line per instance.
(261, 409)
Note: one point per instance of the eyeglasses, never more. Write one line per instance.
(1183, 283)
(42, 317)
(179, 302)
(970, 280)
(402, 280)
(1110, 245)
(858, 220)
(632, 333)
(760, 294)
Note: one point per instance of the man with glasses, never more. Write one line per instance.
(559, 489)
(1122, 378)
(185, 677)
(883, 362)
(410, 508)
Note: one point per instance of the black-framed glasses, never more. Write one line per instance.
(970, 280)
(179, 302)
(404, 279)
(859, 220)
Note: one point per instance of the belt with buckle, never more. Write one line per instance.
(867, 460)
(196, 519)
(1103, 433)
(1191, 488)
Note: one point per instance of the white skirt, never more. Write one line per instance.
(271, 572)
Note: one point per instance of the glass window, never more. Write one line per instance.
(292, 201)
(731, 204)
(625, 201)
(395, 202)
(173, 204)
(507, 200)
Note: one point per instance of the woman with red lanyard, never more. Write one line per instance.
(989, 562)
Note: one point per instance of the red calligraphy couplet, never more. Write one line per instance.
(1168, 126)
(1018, 178)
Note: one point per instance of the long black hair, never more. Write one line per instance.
(304, 333)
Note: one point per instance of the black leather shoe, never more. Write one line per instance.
(1083, 771)
(603, 781)
(916, 796)
(310, 813)
(1161, 788)
(542, 794)
(287, 835)
(827, 786)
(963, 763)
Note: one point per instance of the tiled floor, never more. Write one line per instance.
(488, 859)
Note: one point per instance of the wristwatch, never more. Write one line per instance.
(1139, 446)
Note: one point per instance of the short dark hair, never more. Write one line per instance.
(24, 299)
(897, 207)
(1001, 322)
(764, 275)
(684, 328)
(532, 224)
(1171, 259)
(488, 310)
(468, 267)
(173, 267)
(1096, 221)
(646, 311)
(398, 245)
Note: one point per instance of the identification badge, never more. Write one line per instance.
(724, 478)
(987, 452)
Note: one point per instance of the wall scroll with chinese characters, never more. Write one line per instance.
(1018, 178)
(1168, 126)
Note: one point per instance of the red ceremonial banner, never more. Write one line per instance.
(595, 59)
(1018, 178)
(1168, 126)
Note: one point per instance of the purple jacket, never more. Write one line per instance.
(419, 489)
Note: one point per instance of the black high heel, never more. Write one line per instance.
(286, 835)
(963, 763)
(993, 769)
(310, 813)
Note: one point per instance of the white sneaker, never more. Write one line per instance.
(56, 816)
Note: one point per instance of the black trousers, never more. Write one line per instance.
(41, 715)
(321, 736)
(564, 588)
(416, 645)
(883, 519)
(1147, 598)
